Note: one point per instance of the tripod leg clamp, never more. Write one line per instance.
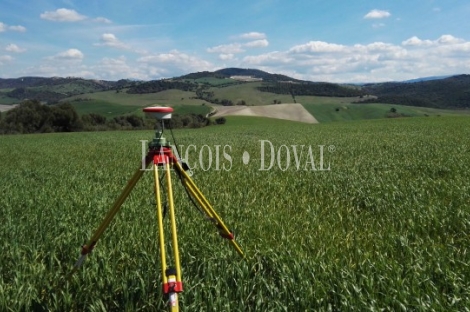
(172, 286)
(87, 249)
(222, 233)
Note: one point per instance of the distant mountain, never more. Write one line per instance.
(55, 88)
(451, 92)
(436, 91)
(27, 82)
(23, 82)
(271, 83)
(426, 79)
(230, 72)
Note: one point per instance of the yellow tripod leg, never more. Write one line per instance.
(86, 249)
(173, 224)
(161, 235)
(171, 277)
(175, 284)
(208, 209)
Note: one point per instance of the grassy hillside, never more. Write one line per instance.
(213, 81)
(166, 97)
(49, 90)
(386, 228)
(327, 112)
(111, 98)
(6, 100)
(249, 93)
(325, 109)
(110, 110)
(104, 108)
(451, 92)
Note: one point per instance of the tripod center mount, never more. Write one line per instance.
(160, 113)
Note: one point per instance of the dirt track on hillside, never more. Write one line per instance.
(4, 108)
(293, 111)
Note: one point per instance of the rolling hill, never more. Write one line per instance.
(451, 92)
(198, 92)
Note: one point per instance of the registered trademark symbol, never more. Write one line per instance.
(331, 148)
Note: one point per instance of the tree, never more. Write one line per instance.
(220, 121)
(135, 121)
(65, 118)
(33, 117)
(28, 117)
(93, 119)
(93, 122)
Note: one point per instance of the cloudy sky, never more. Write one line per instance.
(327, 40)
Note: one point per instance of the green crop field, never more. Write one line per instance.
(5, 100)
(103, 108)
(248, 93)
(325, 111)
(141, 100)
(112, 110)
(385, 228)
(214, 81)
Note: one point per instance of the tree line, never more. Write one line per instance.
(313, 89)
(32, 117)
(161, 85)
(452, 92)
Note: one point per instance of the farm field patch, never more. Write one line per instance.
(382, 224)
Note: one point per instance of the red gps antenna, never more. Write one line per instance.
(159, 112)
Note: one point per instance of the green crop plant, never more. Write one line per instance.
(386, 228)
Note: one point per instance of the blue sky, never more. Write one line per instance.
(328, 40)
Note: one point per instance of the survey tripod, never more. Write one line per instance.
(160, 154)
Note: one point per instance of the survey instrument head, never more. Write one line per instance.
(159, 112)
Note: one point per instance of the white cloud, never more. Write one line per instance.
(378, 25)
(317, 47)
(6, 58)
(377, 14)
(226, 57)
(377, 61)
(18, 28)
(176, 61)
(70, 54)
(110, 40)
(257, 43)
(58, 69)
(228, 51)
(449, 39)
(415, 41)
(106, 68)
(231, 48)
(252, 36)
(112, 68)
(5, 27)
(102, 20)
(63, 15)
(14, 48)
(442, 40)
(275, 59)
